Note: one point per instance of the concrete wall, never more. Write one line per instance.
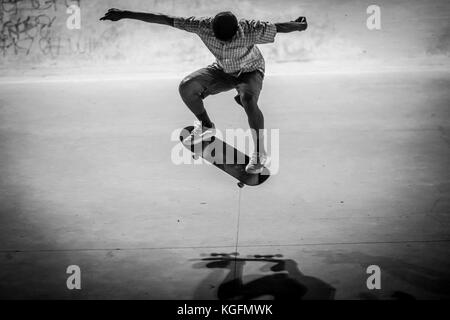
(33, 33)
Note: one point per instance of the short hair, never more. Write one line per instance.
(225, 25)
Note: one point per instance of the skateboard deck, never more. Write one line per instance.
(226, 158)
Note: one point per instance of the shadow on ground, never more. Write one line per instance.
(276, 279)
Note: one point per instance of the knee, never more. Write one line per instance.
(189, 87)
(249, 102)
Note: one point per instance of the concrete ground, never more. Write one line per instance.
(87, 179)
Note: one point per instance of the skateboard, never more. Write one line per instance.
(226, 158)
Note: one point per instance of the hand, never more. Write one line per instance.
(302, 24)
(113, 15)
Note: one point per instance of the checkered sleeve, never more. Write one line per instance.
(192, 24)
(259, 32)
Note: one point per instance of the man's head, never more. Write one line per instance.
(225, 26)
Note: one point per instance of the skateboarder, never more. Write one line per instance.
(239, 65)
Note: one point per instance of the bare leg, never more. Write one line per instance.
(255, 120)
(201, 83)
(190, 91)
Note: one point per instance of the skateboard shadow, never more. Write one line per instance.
(276, 279)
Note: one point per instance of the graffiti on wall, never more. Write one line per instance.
(39, 32)
(38, 27)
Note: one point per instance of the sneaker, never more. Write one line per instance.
(256, 164)
(199, 134)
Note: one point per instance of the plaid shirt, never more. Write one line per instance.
(241, 53)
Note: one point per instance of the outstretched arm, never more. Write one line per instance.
(116, 14)
(298, 25)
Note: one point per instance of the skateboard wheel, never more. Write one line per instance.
(195, 157)
(240, 185)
